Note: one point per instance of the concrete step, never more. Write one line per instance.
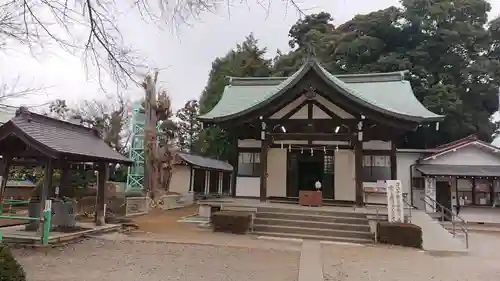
(313, 224)
(313, 217)
(435, 237)
(312, 231)
(435, 215)
(315, 237)
(310, 211)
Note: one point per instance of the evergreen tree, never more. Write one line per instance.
(10, 269)
(451, 51)
(188, 127)
(246, 60)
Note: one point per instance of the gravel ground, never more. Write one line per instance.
(135, 261)
(396, 264)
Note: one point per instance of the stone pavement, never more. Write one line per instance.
(311, 266)
(322, 261)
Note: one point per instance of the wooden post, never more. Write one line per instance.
(102, 174)
(394, 161)
(358, 166)
(207, 182)
(234, 161)
(4, 170)
(47, 184)
(65, 181)
(358, 162)
(191, 175)
(264, 146)
(263, 172)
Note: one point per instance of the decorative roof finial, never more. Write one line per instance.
(21, 110)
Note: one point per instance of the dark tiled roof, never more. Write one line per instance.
(205, 162)
(64, 138)
(459, 170)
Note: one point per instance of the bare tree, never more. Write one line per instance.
(110, 116)
(58, 109)
(13, 90)
(35, 23)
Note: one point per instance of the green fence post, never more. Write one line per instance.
(46, 220)
(1, 236)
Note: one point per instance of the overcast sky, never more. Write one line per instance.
(185, 55)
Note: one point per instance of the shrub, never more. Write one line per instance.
(231, 222)
(402, 234)
(10, 269)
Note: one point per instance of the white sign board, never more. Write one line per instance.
(430, 191)
(395, 207)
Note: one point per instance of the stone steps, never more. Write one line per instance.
(314, 237)
(348, 227)
(312, 231)
(314, 218)
(310, 211)
(312, 224)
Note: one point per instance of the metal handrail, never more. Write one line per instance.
(407, 204)
(454, 218)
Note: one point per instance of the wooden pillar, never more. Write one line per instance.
(4, 173)
(234, 161)
(102, 176)
(358, 163)
(263, 172)
(263, 160)
(394, 161)
(191, 176)
(358, 172)
(65, 181)
(473, 191)
(207, 182)
(47, 183)
(219, 187)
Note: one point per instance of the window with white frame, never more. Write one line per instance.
(482, 192)
(464, 187)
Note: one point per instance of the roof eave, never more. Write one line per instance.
(298, 75)
(417, 119)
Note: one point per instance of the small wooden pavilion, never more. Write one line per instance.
(38, 140)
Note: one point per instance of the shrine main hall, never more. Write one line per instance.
(340, 130)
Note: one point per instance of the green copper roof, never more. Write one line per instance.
(386, 93)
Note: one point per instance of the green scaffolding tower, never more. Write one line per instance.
(135, 176)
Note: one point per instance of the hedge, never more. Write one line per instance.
(10, 269)
(231, 222)
(402, 234)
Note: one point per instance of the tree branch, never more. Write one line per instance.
(36, 22)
